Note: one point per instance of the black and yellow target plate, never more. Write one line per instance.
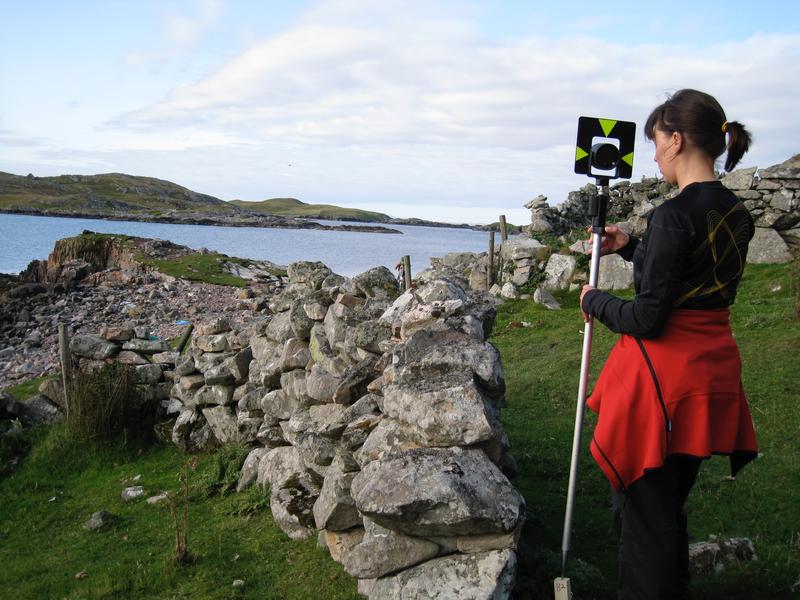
(590, 128)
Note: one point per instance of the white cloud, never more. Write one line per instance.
(406, 102)
(182, 30)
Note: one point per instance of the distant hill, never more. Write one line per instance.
(291, 207)
(110, 193)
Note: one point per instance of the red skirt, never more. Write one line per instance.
(680, 393)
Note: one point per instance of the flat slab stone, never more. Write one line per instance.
(488, 576)
(438, 491)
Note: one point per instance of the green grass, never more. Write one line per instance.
(42, 546)
(542, 365)
(233, 536)
(26, 389)
(197, 267)
(291, 207)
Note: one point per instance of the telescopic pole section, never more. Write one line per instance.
(597, 210)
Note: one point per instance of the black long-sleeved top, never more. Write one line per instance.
(691, 256)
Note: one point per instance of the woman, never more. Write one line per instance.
(670, 393)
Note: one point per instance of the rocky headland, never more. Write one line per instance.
(120, 197)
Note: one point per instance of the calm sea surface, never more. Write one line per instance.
(24, 238)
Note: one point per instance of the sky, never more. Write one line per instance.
(451, 110)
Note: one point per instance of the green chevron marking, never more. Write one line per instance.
(580, 153)
(607, 125)
(628, 158)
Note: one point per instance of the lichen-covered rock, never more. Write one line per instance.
(438, 491)
(388, 438)
(321, 385)
(484, 576)
(276, 406)
(377, 282)
(441, 351)
(215, 327)
(249, 472)
(295, 355)
(214, 394)
(293, 490)
(615, 273)
(558, 272)
(521, 247)
(280, 327)
(768, 247)
(369, 334)
(714, 556)
(92, 346)
(442, 414)
(383, 551)
(310, 275)
(146, 346)
(300, 322)
(222, 420)
(335, 509)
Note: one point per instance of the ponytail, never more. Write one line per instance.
(739, 140)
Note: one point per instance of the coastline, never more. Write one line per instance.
(266, 222)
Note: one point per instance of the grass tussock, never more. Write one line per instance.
(105, 405)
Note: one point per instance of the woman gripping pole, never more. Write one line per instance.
(670, 393)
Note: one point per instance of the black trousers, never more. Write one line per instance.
(653, 541)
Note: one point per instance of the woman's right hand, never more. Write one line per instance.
(612, 240)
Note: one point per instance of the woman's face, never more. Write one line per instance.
(665, 154)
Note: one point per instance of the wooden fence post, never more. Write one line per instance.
(490, 272)
(66, 363)
(503, 229)
(184, 338)
(406, 272)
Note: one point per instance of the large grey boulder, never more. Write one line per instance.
(484, 576)
(148, 373)
(714, 556)
(211, 343)
(768, 247)
(739, 180)
(295, 354)
(438, 491)
(559, 271)
(520, 247)
(383, 551)
(222, 420)
(310, 275)
(280, 327)
(276, 406)
(146, 346)
(378, 282)
(441, 351)
(92, 346)
(293, 491)
(616, 273)
(438, 413)
(38, 410)
(214, 394)
(321, 385)
(335, 509)
(300, 322)
(249, 472)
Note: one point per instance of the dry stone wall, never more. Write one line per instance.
(525, 265)
(373, 418)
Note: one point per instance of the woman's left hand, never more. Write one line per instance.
(584, 291)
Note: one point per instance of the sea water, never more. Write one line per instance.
(24, 238)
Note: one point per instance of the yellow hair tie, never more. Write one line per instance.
(725, 127)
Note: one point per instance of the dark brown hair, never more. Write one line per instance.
(700, 118)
